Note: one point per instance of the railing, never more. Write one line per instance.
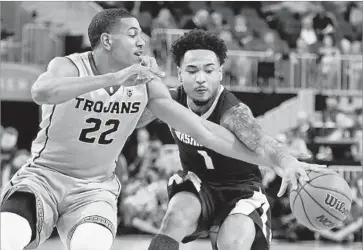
(85, 11)
(340, 72)
(243, 70)
(88, 9)
(349, 173)
(10, 51)
(40, 44)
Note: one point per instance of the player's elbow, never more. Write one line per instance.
(43, 94)
(40, 95)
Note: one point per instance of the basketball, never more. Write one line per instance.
(323, 202)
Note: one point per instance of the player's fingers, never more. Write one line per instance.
(157, 72)
(145, 72)
(294, 182)
(314, 166)
(319, 168)
(145, 61)
(302, 181)
(304, 156)
(300, 155)
(303, 175)
(283, 188)
(153, 63)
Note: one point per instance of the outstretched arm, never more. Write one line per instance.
(239, 120)
(209, 134)
(61, 81)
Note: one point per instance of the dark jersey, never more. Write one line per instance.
(207, 164)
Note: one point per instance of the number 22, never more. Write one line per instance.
(207, 160)
(97, 125)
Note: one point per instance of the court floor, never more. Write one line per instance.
(142, 243)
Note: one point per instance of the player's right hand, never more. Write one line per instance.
(144, 71)
(296, 173)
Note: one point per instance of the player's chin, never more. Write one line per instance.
(135, 59)
(201, 100)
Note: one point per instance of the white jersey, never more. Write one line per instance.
(84, 136)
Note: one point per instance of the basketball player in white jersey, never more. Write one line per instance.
(91, 103)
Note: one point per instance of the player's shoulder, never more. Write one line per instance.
(63, 64)
(226, 101)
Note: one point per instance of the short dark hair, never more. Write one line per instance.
(103, 22)
(199, 39)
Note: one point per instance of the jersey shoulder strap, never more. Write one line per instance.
(81, 61)
(178, 94)
(226, 101)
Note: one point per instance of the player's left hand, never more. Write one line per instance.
(297, 173)
(149, 61)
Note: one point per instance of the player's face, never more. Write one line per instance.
(126, 43)
(200, 73)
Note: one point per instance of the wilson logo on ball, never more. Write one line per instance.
(336, 204)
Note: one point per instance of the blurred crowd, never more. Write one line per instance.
(333, 135)
(324, 37)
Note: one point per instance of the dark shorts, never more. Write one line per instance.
(219, 200)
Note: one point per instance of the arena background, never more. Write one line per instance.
(298, 65)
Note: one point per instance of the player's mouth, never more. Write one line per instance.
(139, 52)
(201, 90)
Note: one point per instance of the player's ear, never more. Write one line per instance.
(221, 73)
(180, 78)
(106, 41)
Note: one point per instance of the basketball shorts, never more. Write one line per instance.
(219, 201)
(66, 202)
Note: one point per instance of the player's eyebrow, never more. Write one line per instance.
(209, 64)
(191, 66)
(135, 28)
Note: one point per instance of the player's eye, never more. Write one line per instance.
(132, 33)
(192, 71)
(209, 71)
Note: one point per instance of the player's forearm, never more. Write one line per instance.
(240, 121)
(59, 90)
(273, 151)
(204, 132)
(227, 141)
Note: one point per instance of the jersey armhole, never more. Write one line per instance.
(69, 59)
(227, 110)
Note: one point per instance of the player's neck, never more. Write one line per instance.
(201, 109)
(106, 64)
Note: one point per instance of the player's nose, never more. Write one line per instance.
(140, 42)
(200, 78)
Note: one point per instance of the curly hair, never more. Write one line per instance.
(199, 39)
(103, 22)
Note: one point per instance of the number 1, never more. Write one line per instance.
(207, 160)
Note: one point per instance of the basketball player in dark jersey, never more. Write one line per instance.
(216, 194)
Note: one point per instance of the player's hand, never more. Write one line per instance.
(296, 172)
(150, 62)
(143, 73)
